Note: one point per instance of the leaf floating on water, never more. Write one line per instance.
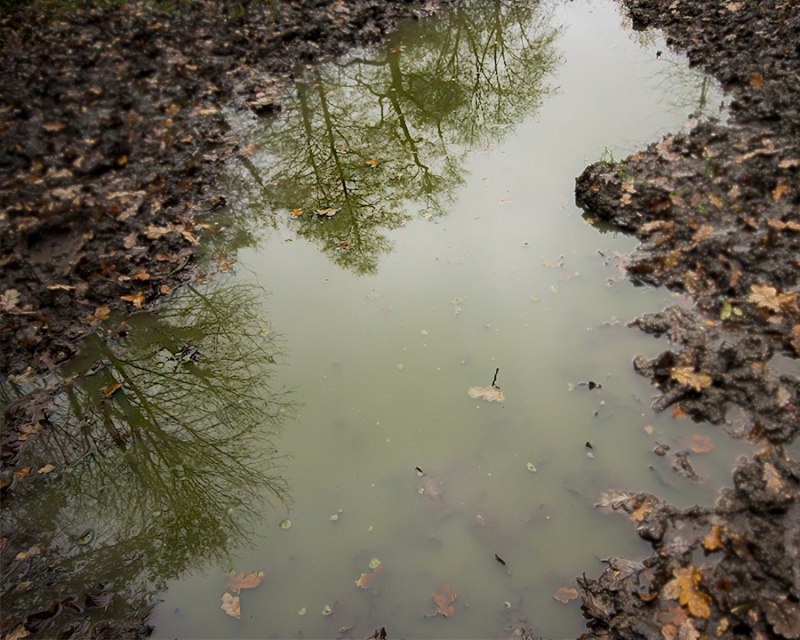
(47, 468)
(111, 388)
(285, 524)
(372, 162)
(687, 376)
(490, 394)
(327, 610)
(532, 467)
(700, 444)
(136, 300)
(565, 594)
(368, 580)
(443, 600)
(230, 605)
(238, 582)
(330, 211)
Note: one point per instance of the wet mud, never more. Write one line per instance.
(717, 210)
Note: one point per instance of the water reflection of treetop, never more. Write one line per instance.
(366, 140)
(172, 458)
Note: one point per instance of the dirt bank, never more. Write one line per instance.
(717, 210)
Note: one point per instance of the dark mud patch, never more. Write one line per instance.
(717, 210)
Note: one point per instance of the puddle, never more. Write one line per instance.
(411, 213)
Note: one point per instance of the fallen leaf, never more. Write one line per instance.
(490, 394)
(241, 581)
(713, 539)
(565, 594)
(141, 274)
(756, 80)
(772, 479)
(552, 263)
(368, 580)
(47, 468)
(678, 412)
(687, 376)
(781, 188)
(700, 444)
(230, 605)
(443, 600)
(54, 127)
(136, 300)
(684, 588)
(371, 163)
(111, 387)
(33, 551)
(641, 510)
(18, 633)
(154, 232)
(296, 213)
(330, 211)
(765, 296)
(9, 299)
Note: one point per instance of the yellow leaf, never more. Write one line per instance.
(296, 213)
(230, 605)
(100, 314)
(713, 540)
(765, 296)
(687, 376)
(238, 582)
(135, 300)
(684, 587)
(371, 163)
(47, 468)
(490, 394)
(111, 387)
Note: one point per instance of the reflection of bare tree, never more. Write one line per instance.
(376, 136)
(175, 418)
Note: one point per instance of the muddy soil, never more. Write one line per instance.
(112, 134)
(717, 210)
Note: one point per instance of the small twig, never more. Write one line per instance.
(494, 380)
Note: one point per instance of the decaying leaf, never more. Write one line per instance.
(780, 188)
(756, 80)
(18, 633)
(565, 594)
(372, 162)
(684, 588)
(687, 376)
(241, 581)
(369, 580)
(678, 412)
(699, 443)
(46, 469)
(230, 605)
(100, 314)
(330, 211)
(490, 394)
(713, 539)
(296, 212)
(443, 600)
(772, 479)
(765, 296)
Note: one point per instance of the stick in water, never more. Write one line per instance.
(496, 371)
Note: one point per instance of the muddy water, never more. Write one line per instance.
(411, 215)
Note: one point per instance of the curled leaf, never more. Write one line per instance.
(238, 582)
(230, 605)
(490, 394)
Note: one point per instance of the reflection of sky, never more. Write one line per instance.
(366, 423)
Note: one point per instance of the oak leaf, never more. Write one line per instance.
(687, 376)
(443, 600)
(684, 588)
(230, 605)
(238, 582)
(765, 296)
(490, 394)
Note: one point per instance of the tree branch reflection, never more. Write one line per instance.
(382, 136)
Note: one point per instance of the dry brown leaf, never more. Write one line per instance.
(715, 201)
(565, 594)
(141, 274)
(687, 376)
(684, 588)
(9, 300)
(678, 412)
(703, 233)
(713, 539)
(784, 616)
(765, 296)
(154, 231)
(33, 551)
(100, 314)
(18, 633)
(372, 162)
(772, 479)
(756, 80)
(136, 300)
(490, 394)
(238, 582)
(789, 163)
(47, 468)
(367, 580)
(230, 605)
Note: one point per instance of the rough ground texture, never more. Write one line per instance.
(717, 209)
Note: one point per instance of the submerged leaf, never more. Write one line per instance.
(230, 605)
(565, 594)
(443, 600)
(684, 588)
